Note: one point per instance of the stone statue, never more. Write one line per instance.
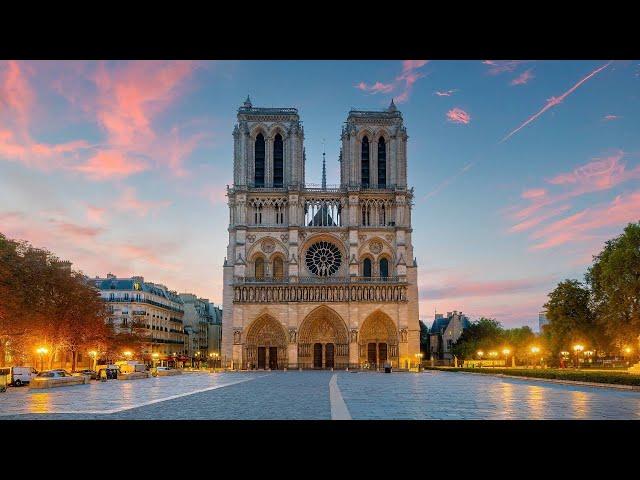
(237, 337)
(292, 335)
(403, 335)
(354, 335)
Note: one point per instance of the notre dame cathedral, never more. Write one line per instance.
(319, 276)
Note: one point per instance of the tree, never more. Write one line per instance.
(571, 318)
(615, 283)
(483, 334)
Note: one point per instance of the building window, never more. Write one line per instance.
(364, 171)
(259, 267)
(278, 162)
(259, 161)
(382, 163)
(278, 267)
(366, 267)
(384, 267)
(258, 215)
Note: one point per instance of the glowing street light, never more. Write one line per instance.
(94, 355)
(578, 348)
(127, 354)
(627, 350)
(480, 353)
(42, 351)
(506, 352)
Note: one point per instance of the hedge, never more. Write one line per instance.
(619, 378)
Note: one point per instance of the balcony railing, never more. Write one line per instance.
(150, 302)
(307, 280)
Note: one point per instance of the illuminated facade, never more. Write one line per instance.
(319, 276)
(150, 308)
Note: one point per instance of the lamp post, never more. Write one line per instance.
(94, 356)
(155, 356)
(506, 352)
(534, 352)
(627, 351)
(493, 354)
(42, 351)
(419, 357)
(480, 353)
(578, 348)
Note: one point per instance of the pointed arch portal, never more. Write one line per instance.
(323, 341)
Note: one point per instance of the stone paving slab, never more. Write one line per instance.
(306, 396)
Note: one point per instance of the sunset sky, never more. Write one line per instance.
(521, 169)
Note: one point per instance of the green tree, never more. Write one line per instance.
(571, 318)
(615, 283)
(484, 334)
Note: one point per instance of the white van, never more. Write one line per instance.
(18, 376)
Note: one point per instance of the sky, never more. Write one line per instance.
(521, 169)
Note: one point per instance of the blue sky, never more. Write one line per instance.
(122, 166)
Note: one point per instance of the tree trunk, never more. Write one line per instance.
(3, 352)
(74, 360)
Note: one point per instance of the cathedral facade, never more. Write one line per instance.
(319, 276)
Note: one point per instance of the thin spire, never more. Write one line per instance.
(324, 168)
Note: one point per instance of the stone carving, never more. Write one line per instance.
(302, 235)
(293, 334)
(294, 260)
(344, 236)
(237, 337)
(375, 246)
(284, 237)
(389, 237)
(403, 335)
(354, 335)
(268, 245)
(251, 238)
(362, 238)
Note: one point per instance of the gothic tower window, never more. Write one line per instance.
(382, 163)
(259, 267)
(384, 267)
(278, 267)
(364, 172)
(259, 161)
(366, 267)
(278, 162)
(257, 219)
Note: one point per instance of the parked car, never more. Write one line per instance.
(54, 374)
(18, 376)
(110, 369)
(154, 371)
(90, 373)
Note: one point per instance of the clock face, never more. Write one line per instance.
(323, 259)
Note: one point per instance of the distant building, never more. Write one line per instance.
(197, 317)
(151, 307)
(446, 331)
(542, 320)
(215, 329)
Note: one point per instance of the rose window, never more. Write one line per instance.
(323, 259)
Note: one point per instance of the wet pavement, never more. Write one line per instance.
(314, 395)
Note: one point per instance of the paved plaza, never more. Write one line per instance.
(321, 395)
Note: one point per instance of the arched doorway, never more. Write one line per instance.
(323, 340)
(266, 344)
(378, 340)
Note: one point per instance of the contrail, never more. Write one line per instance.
(553, 101)
(449, 180)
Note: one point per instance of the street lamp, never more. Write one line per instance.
(42, 351)
(155, 356)
(506, 352)
(535, 351)
(578, 348)
(94, 355)
(127, 354)
(419, 357)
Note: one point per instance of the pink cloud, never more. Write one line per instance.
(497, 67)
(610, 117)
(457, 115)
(129, 201)
(446, 93)
(403, 82)
(553, 101)
(462, 288)
(377, 87)
(523, 78)
(585, 224)
(95, 214)
(534, 193)
(107, 165)
(15, 90)
(532, 222)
